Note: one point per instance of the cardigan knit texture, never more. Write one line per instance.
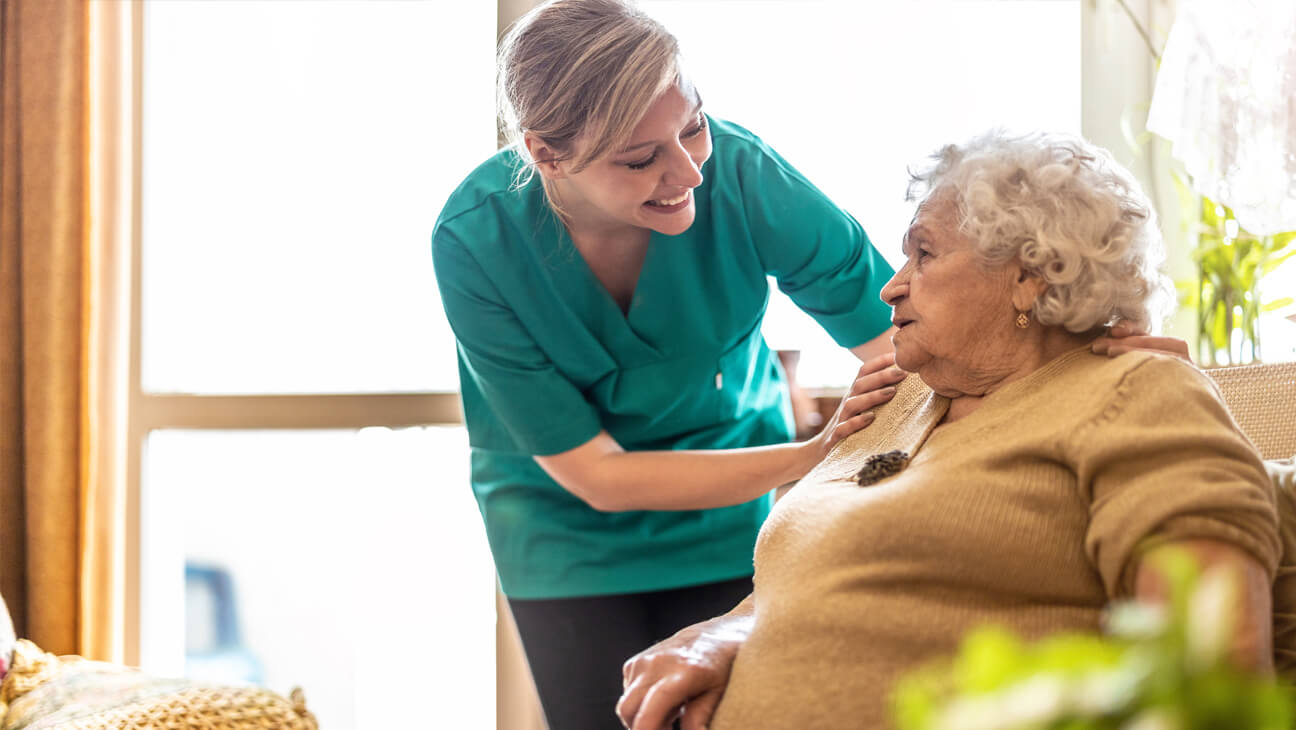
(1029, 513)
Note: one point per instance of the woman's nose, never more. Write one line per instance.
(897, 287)
(683, 170)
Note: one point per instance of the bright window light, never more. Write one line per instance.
(853, 93)
(358, 566)
(1278, 328)
(295, 157)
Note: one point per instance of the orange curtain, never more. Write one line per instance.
(112, 104)
(42, 324)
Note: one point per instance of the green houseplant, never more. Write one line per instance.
(1158, 669)
(1231, 263)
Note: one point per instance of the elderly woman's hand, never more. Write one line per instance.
(1125, 338)
(684, 676)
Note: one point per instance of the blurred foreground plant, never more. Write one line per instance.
(1158, 669)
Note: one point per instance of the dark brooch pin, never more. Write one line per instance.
(880, 466)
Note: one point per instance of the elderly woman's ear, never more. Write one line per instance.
(1027, 286)
(1123, 336)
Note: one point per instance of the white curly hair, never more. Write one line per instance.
(1069, 212)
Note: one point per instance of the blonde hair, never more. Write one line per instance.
(1070, 213)
(587, 69)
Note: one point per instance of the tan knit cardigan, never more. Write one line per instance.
(1027, 513)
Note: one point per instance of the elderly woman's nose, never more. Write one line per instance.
(897, 287)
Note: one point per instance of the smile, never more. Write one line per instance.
(670, 205)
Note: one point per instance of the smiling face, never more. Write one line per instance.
(648, 183)
(955, 316)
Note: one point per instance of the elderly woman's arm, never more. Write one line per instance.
(1164, 461)
(1251, 646)
(684, 676)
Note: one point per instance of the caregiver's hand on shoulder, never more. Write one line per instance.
(683, 677)
(1125, 338)
(874, 385)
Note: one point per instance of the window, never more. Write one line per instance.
(293, 356)
(295, 156)
(853, 93)
(1278, 327)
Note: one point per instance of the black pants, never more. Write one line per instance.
(576, 646)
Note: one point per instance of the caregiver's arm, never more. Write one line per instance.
(1251, 646)
(611, 479)
(684, 676)
(875, 347)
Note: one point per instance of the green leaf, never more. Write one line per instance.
(1080, 681)
(1277, 304)
(1219, 334)
(1213, 214)
(990, 657)
(1273, 263)
(1283, 239)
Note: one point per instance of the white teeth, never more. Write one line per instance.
(671, 201)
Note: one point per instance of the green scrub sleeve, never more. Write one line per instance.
(541, 410)
(820, 255)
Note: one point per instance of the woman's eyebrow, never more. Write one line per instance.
(697, 109)
(914, 234)
(634, 147)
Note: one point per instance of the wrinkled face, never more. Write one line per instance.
(648, 183)
(953, 313)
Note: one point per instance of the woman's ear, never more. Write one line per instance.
(1027, 286)
(548, 161)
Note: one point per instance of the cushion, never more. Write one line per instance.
(43, 691)
(7, 639)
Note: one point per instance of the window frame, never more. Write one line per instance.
(1116, 73)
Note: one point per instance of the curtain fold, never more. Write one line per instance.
(112, 28)
(42, 324)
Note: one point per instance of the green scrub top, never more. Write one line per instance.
(547, 359)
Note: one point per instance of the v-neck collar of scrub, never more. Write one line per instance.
(620, 330)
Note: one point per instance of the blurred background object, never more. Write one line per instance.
(214, 648)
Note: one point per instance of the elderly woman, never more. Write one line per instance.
(1027, 480)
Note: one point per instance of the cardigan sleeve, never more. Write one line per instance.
(1164, 461)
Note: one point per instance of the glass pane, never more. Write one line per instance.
(295, 157)
(854, 93)
(352, 564)
(1278, 328)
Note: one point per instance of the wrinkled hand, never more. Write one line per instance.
(1124, 338)
(683, 677)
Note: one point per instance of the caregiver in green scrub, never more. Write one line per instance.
(605, 277)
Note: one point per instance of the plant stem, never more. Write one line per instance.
(1141, 31)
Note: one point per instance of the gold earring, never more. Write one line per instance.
(1023, 321)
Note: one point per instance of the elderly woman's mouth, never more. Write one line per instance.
(900, 322)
